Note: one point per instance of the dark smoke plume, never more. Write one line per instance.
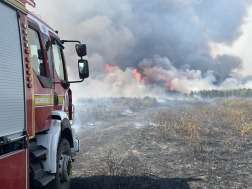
(165, 40)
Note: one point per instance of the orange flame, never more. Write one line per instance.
(138, 75)
(170, 85)
(108, 67)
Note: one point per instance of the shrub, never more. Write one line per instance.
(132, 106)
(117, 110)
(149, 102)
(241, 111)
(190, 129)
(123, 172)
(162, 123)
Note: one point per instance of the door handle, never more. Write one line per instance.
(56, 100)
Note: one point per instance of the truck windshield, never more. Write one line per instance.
(58, 62)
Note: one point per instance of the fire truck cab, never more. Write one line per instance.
(37, 141)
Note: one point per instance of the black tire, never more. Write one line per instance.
(63, 147)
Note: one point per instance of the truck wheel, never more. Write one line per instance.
(64, 165)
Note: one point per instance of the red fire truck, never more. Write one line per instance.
(37, 141)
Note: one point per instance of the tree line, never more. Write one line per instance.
(241, 93)
(223, 93)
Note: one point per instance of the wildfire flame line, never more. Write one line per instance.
(138, 75)
(170, 85)
(108, 67)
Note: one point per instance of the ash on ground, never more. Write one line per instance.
(143, 143)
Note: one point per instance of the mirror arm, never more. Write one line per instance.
(58, 42)
(63, 41)
(74, 81)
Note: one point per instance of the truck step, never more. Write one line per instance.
(39, 152)
(43, 181)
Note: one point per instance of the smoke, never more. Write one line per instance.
(167, 41)
(160, 70)
(226, 64)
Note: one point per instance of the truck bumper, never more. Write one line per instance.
(76, 148)
(76, 145)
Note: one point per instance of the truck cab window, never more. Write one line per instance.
(36, 53)
(58, 61)
(49, 54)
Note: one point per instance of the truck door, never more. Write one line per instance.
(42, 76)
(60, 75)
(13, 153)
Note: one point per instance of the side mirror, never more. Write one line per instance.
(81, 50)
(83, 69)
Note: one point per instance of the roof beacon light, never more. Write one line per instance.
(36, 14)
(31, 2)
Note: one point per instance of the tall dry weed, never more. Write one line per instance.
(162, 122)
(123, 172)
(241, 112)
(190, 128)
(188, 125)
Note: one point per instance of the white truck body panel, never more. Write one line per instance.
(51, 141)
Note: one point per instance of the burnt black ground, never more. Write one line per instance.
(222, 163)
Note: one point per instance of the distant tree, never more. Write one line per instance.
(244, 93)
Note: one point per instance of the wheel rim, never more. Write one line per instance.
(65, 168)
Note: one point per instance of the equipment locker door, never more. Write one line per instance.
(13, 155)
(12, 102)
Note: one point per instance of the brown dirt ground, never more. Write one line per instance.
(222, 163)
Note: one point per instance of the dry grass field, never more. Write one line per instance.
(142, 143)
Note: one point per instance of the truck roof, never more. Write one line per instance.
(44, 27)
